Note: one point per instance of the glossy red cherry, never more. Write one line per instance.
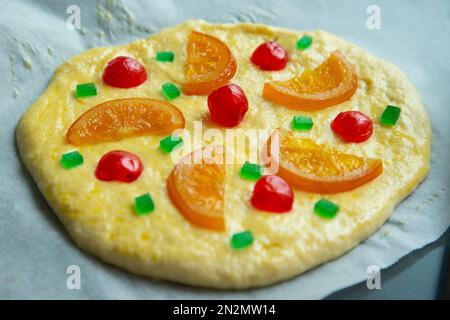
(270, 56)
(272, 193)
(227, 105)
(120, 166)
(124, 72)
(352, 126)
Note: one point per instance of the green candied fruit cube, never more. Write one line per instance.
(165, 56)
(302, 123)
(144, 204)
(304, 42)
(390, 115)
(251, 171)
(170, 143)
(71, 160)
(241, 240)
(326, 209)
(86, 90)
(170, 91)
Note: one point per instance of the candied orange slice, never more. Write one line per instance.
(209, 64)
(123, 118)
(197, 188)
(317, 168)
(333, 82)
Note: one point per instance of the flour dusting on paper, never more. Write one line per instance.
(114, 19)
(256, 13)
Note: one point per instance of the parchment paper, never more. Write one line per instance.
(35, 251)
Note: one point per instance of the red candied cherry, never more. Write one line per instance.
(272, 193)
(124, 72)
(120, 166)
(227, 105)
(352, 126)
(270, 56)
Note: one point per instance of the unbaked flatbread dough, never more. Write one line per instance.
(99, 215)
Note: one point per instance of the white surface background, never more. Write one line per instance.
(35, 249)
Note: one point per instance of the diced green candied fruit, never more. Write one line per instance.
(390, 115)
(165, 56)
(86, 90)
(302, 123)
(144, 204)
(71, 160)
(241, 240)
(170, 91)
(304, 42)
(251, 171)
(169, 143)
(326, 209)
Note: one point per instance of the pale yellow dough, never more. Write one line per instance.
(99, 215)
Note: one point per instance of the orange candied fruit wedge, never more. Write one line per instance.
(331, 83)
(197, 189)
(123, 118)
(209, 64)
(317, 168)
